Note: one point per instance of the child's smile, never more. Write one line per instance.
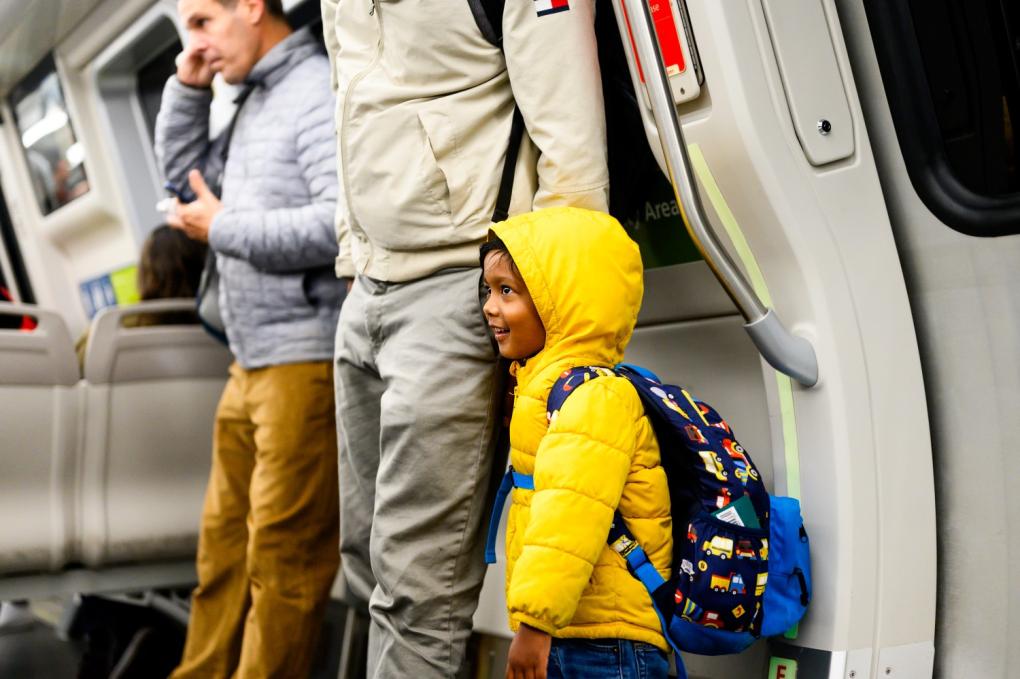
(509, 310)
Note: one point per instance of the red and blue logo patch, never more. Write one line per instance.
(544, 7)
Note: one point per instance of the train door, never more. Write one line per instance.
(941, 87)
(782, 158)
(774, 143)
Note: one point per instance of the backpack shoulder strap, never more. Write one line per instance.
(620, 538)
(488, 15)
(506, 180)
(664, 402)
(567, 382)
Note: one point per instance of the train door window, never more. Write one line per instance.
(951, 71)
(307, 13)
(17, 283)
(55, 158)
(130, 76)
(640, 195)
(152, 78)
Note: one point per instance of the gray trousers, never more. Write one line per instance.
(416, 379)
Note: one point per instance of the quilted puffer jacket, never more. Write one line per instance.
(585, 277)
(274, 239)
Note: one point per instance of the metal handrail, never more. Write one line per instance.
(787, 353)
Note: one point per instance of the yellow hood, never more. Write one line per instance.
(599, 454)
(585, 276)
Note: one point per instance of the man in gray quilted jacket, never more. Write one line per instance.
(268, 546)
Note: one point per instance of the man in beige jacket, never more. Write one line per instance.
(424, 109)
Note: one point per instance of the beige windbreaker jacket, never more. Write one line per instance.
(424, 107)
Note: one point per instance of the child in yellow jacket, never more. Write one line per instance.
(563, 288)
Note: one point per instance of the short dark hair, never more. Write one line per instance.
(494, 244)
(274, 7)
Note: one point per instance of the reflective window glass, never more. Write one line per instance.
(151, 80)
(55, 158)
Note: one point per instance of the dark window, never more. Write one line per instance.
(55, 158)
(950, 71)
(973, 86)
(151, 79)
(308, 13)
(10, 245)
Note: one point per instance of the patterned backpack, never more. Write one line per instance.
(740, 556)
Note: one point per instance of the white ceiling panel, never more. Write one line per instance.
(29, 29)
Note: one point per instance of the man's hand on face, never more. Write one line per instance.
(193, 69)
(195, 217)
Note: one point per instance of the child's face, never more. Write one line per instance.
(509, 310)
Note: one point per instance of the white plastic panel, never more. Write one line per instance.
(811, 79)
(913, 661)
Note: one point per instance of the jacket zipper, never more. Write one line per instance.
(345, 113)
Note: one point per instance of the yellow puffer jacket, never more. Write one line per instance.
(585, 277)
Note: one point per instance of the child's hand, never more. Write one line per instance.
(529, 654)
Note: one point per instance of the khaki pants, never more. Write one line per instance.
(268, 547)
(417, 388)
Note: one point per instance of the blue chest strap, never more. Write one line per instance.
(510, 481)
(620, 538)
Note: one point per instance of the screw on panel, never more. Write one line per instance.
(824, 127)
(852, 674)
(888, 670)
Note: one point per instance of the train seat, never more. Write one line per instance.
(38, 440)
(150, 396)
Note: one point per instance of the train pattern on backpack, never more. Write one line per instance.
(720, 568)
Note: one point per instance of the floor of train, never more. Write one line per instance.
(44, 640)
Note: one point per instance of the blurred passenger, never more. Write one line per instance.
(9, 322)
(169, 267)
(424, 115)
(563, 288)
(268, 545)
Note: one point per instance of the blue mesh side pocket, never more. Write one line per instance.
(789, 572)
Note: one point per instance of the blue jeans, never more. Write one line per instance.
(606, 659)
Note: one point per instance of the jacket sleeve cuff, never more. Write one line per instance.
(219, 233)
(519, 618)
(345, 267)
(203, 94)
